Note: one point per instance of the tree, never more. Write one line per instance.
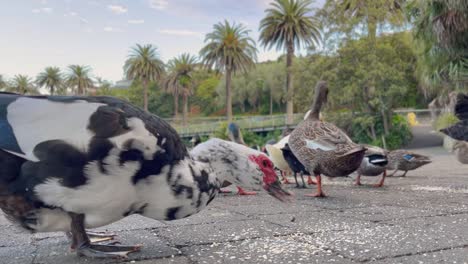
(229, 49)
(288, 25)
(143, 64)
(79, 78)
(348, 16)
(51, 78)
(22, 84)
(180, 80)
(441, 31)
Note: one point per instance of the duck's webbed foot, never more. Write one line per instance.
(241, 191)
(319, 188)
(96, 237)
(106, 251)
(84, 246)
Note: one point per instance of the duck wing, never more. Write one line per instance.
(26, 122)
(327, 137)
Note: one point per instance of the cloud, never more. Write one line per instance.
(46, 10)
(117, 9)
(158, 4)
(178, 32)
(136, 21)
(75, 14)
(112, 29)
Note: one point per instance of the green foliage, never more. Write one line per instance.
(52, 79)
(159, 103)
(287, 24)
(400, 132)
(144, 64)
(79, 78)
(22, 84)
(229, 48)
(441, 31)
(445, 120)
(221, 132)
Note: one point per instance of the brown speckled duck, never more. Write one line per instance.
(322, 147)
(404, 160)
(373, 164)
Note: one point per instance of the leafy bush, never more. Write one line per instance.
(399, 134)
(445, 120)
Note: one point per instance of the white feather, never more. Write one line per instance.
(315, 145)
(36, 120)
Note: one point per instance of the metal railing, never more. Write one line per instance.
(208, 125)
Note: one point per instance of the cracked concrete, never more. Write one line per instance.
(421, 218)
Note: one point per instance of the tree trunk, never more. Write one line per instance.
(228, 95)
(289, 84)
(145, 95)
(52, 89)
(176, 106)
(185, 114)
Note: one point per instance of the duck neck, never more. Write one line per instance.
(320, 97)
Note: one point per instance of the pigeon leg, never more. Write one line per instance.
(84, 247)
(404, 174)
(381, 182)
(319, 188)
(241, 191)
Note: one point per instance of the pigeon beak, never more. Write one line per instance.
(274, 189)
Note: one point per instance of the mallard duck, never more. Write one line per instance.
(322, 147)
(461, 151)
(404, 160)
(373, 164)
(70, 163)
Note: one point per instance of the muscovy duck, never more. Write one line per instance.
(404, 160)
(373, 164)
(70, 163)
(322, 147)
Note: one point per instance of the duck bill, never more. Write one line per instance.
(276, 190)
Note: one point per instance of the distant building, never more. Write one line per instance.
(122, 84)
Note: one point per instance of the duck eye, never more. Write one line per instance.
(265, 163)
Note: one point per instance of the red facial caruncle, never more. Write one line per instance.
(265, 164)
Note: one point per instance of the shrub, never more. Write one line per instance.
(445, 120)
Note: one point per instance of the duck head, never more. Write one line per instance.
(240, 165)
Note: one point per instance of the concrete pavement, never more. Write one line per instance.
(422, 218)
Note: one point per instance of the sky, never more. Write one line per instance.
(35, 34)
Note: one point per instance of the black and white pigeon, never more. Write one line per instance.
(70, 163)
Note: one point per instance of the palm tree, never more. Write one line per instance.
(288, 25)
(79, 78)
(441, 31)
(229, 49)
(180, 79)
(22, 84)
(143, 64)
(51, 78)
